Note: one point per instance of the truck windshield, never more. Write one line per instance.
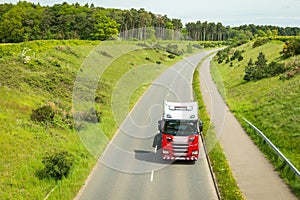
(180, 128)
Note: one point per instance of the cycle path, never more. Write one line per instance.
(254, 174)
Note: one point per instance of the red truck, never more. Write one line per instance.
(179, 131)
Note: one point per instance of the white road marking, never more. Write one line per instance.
(152, 174)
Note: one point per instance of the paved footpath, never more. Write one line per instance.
(255, 176)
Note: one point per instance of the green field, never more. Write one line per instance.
(270, 104)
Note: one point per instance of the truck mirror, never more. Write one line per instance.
(159, 125)
(201, 126)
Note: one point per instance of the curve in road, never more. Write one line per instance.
(130, 168)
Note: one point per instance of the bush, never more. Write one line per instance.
(260, 42)
(173, 49)
(291, 48)
(275, 68)
(198, 46)
(260, 69)
(91, 115)
(237, 55)
(189, 48)
(292, 68)
(223, 54)
(58, 165)
(171, 56)
(43, 114)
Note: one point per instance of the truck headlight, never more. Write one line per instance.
(165, 151)
(194, 152)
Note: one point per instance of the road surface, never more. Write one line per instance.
(130, 168)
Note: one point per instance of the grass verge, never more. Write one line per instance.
(226, 182)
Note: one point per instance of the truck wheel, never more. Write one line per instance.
(157, 141)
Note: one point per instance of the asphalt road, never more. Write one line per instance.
(130, 168)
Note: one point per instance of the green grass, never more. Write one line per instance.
(48, 78)
(25, 87)
(135, 82)
(225, 180)
(270, 104)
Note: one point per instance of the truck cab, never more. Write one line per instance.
(179, 131)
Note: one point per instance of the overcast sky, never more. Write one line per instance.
(231, 12)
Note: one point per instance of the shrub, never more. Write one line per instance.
(250, 71)
(237, 55)
(275, 68)
(240, 58)
(58, 165)
(91, 115)
(43, 114)
(291, 48)
(222, 55)
(189, 48)
(292, 68)
(260, 69)
(171, 56)
(260, 42)
(173, 49)
(198, 46)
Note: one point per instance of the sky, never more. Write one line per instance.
(230, 13)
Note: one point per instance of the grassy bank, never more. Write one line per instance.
(271, 104)
(45, 76)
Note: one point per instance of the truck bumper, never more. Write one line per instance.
(166, 157)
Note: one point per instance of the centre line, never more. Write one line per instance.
(152, 174)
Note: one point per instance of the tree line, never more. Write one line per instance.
(25, 21)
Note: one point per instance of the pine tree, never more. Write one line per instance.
(262, 66)
(249, 71)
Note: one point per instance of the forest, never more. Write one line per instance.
(25, 21)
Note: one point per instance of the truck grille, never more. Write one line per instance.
(180, 146)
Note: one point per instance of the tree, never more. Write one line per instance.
(31, 20)
(104, 27)
(220, 31)
(261, 60)
(11, 27)
(4, 8)
(250, 71)
(204, 29)
(47, 23)
(291, 48)
(260, 69)
(262, 66)
(212, 29)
